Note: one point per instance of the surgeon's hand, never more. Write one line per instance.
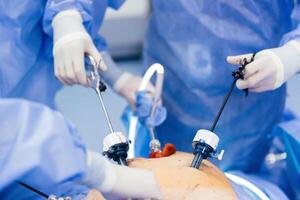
(144, 106)
(127, 86)
(71, 43)
(270, 68)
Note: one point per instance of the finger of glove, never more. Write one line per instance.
(265, 74)
(70, 72)
(258, 77)
(236, 60)
(262, 88)
(264, 85)
(255, 80)
(241, 84)
(252, 68)
(93, 51)
(69, 75)
(79, 68)
(59, 69)
(261, 63)
(56, 67)
(254, 73)
(63, 75)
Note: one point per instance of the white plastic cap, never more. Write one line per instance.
(209, 137)
(112, 139)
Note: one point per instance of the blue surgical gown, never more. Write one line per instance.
(26, 71)
(38, 147)
(192, 39)
(26, 62)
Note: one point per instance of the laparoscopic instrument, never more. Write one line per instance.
(115, 145)
(205, 142)
(42, 194)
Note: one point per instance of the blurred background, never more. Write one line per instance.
(124, 31)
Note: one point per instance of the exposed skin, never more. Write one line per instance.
(178, 181)
(94, 195)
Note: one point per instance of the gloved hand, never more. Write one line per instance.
(71, 42)
(127, 86)
(270, 68)
(120, 182)
(144, 105)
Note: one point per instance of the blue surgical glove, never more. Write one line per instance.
(144, 104)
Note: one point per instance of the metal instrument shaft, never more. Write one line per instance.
(105, 110)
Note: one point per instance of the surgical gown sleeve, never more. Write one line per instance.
(294, 34)
(92, 12)
(38, 146)
(113, 73)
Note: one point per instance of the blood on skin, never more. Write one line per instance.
(156, 154)
(169, 149)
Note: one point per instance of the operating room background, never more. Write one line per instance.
(124, 32)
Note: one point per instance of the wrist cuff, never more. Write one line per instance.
(113, 72)
(289, 54)
(74, 14)
(68, 38)
(295, 44)
(279, 68)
